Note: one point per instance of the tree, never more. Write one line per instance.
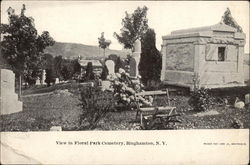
(134, 26)
(150, 62)
(105, 73)
(50, 76)
(76, 66)
(21, 46)
(58, 66)
(118, 64)
(228, 19)
(49, 68)
(89, 72)
(103, 43)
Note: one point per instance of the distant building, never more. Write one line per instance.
(97, 66)
(214, 53)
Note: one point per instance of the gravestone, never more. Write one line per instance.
(247, 99)
(56, 128)
(134, 61)
(8, 98)
(106, 85)
(38, 82)
(111, 66)
(57, 81)
(43, 78)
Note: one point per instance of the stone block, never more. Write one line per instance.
(56, 128)
(247, 98)
(8, 98)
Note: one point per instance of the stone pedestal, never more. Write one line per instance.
(8, 98)
(38, 82)
(57, 81)
(134, 61)
(43, 78)
(105, 85)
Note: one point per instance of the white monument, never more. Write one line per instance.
(111, 66)
(134, 62)
(43, 78)
(57, 81)
(38, 81)
(8, 98)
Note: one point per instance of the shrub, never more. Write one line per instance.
(124, 89)
(95, 105)
(105, 73)
(200, 100)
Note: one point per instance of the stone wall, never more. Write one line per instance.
(180, 57)
(247, 68)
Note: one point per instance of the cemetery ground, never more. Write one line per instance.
(58, 105)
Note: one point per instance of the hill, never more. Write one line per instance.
(73, 50)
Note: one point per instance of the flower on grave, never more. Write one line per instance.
(124, 89)
(121, 71)
(118, 75)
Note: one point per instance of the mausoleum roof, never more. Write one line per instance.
(217, 27)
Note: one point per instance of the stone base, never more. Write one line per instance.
(8, 98)
(10, 104)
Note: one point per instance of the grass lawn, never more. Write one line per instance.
(61, 108)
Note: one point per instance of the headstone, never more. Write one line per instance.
(43, 77)
(38, 82)
(134, 61)
(8, 98)
(247, 99)
(105, 85)
(57, 81)
(111, 66)
(56, 128)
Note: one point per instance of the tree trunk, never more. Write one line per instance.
(20, 86)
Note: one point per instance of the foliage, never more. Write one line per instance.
(134, 26)
(200, 100)
(50, 76)
(58, 62)
(118, 64)
(76, 66)
(95, 106)
(103, 43)
(228, 19)
(65, 73)
(112, 57)
(150, 62)
(21, 46)
(105, 73)
(89, 72)
(125, 89)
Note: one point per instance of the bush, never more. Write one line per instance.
(95, 106)
(105, 73)
(124, 89)
(200, 100)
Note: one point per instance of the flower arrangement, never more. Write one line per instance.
(125, 88)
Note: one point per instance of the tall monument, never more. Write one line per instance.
(9, 102)
(134, 62)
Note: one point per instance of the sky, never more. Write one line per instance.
(84, 21)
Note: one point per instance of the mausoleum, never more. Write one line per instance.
(214, 53)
